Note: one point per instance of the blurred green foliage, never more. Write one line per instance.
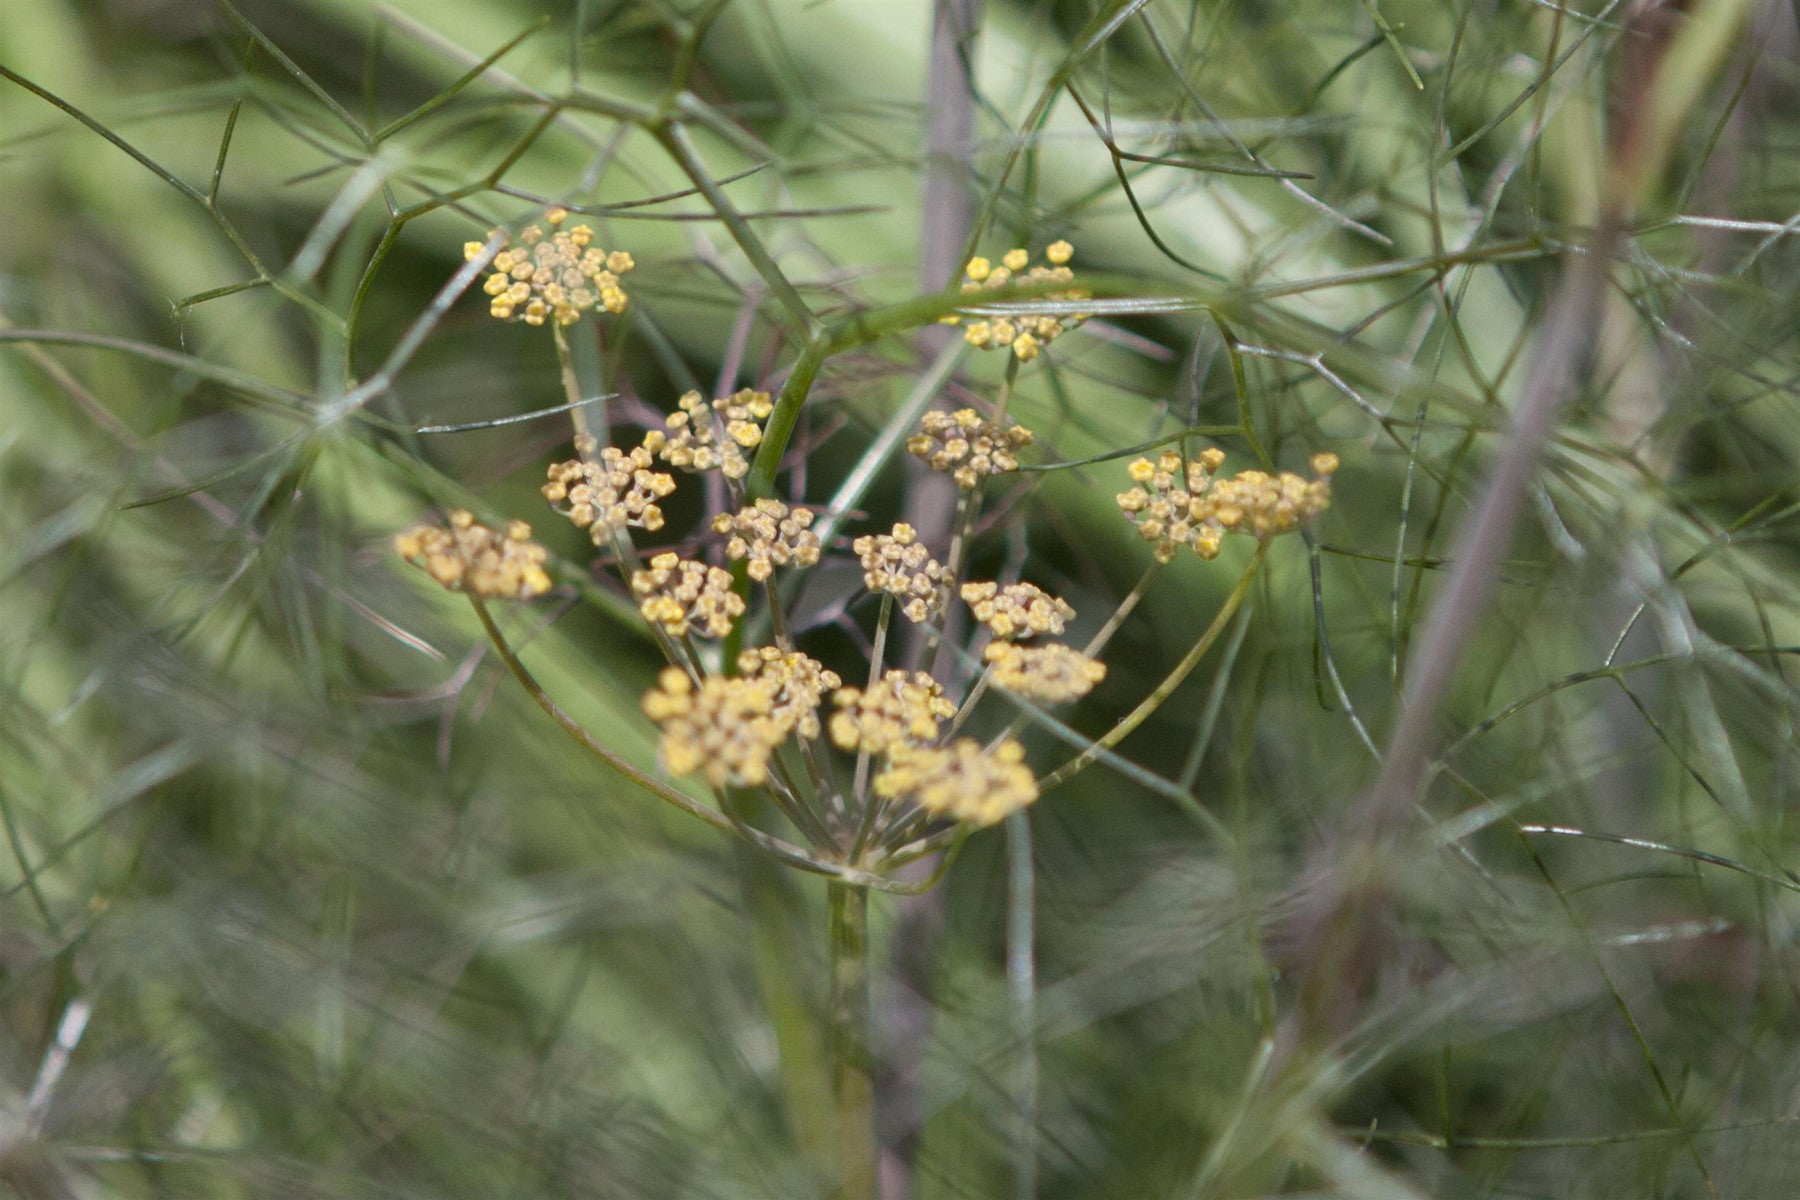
(303, 898)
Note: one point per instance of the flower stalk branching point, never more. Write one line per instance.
(737, 718)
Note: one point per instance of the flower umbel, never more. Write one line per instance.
(1052, 673)
(795, 683)
(770, 535)
(603, 494)
(684, 596)
(900, 710)
(961, 780)
(1173, 506)
(897, 563)
(1019, 610)
(966, 447)
(470, 557)
(692, 440)
(1264, 505)
(1025, 334)
(553, 274)
(724, 728)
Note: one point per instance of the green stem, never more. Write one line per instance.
(674, 139)
(775, 925)
(1167, 687)
(578, 405)
(852, 1086)
(960, 524)
(1004, 397)
(780, 426)
(859, 788)
(824, 785)
(787, 852)
(1100, 639)
(625, 556)
(968, 705)
(868, 325)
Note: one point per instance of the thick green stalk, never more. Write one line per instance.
(774, 923)
(852, 1084)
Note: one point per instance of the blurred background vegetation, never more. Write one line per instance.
(301, 896)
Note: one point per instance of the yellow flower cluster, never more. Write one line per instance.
(725, 728)
(961, 780)
(692, 440)
(605, 493)
(556, 274)
(898, 564)
(900, 710)
(1025, 335)
(966, 447)
(1173, 507)
(470, 557)
(683, 596)
(770, 535)
(729, 728)
(1051, 673)
(1019, 610)
(795, 683)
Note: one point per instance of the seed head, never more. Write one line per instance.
(683, 596)
(966, 447)
(470, 557)
(900, 710)
(1051, 673)
(1019, 610)
(553, 273)
(725, 728)
(898, 564)
(604, 493)
(795, 683)
(770, 535)
(693, 440)
(961, 780)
